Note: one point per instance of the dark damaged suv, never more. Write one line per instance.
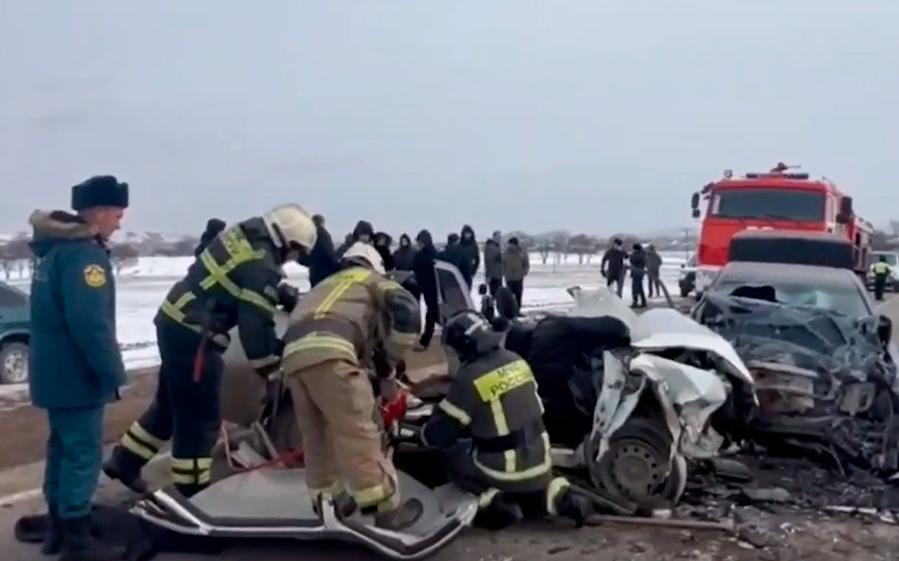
(821, 356)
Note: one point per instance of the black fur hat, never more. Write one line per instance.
(100, 190)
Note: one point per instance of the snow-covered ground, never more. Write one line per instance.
(141, 288)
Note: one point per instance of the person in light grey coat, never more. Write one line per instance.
(493, 263)
(516, 266)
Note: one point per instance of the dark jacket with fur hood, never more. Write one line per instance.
(75, 358)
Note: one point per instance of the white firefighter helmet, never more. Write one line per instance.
(367, 253)
(289, 224)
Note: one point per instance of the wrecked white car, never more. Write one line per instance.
(629, 417)
(651, 406)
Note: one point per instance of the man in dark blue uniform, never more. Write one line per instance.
(75, 364)
(234, 282)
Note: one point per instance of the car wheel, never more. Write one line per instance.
(684, 291)
(14, 363)
(638, 466)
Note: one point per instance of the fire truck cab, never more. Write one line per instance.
(777, 200)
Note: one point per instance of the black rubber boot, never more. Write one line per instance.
(53, 538)
(574, 507)
(498, 515)
(79, 545)
(125, 467)
(401, 517)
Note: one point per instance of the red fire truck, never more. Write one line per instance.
(777, 200)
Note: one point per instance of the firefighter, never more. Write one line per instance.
(493, 401)
(234, 282)
(339, 332)
(882, 274)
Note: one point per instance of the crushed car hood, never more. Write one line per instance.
(661, 329)
(812, 339)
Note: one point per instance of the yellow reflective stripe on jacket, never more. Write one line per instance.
(176, 314)
(523, 475)
(881, 268)
(254, 297)
(491, 387)
(319, 341)
(342, 282)
(184, 300)
(219, 275)
(502, 429)
(494, 384)
(455, 412)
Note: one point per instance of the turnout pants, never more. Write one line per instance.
(74, 455)
(184, 411)
(335, 409)
(535, 498)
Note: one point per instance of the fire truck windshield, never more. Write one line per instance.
(778, 204)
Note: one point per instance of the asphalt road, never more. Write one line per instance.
(824, 540)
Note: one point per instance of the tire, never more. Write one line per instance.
(14, 363)
(637, 468)
(684, 291)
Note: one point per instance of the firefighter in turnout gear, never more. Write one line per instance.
(882, 273)
(333, 340)
(233, 282)
(491, 426)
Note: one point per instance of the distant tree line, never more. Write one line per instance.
(17, 259)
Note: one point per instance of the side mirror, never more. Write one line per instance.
(845, 214)
(694, 201)
(884, 329)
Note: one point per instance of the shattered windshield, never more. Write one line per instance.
(845, 300)
(807, 337)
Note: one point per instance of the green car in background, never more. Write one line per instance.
(15, 333)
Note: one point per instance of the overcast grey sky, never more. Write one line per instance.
(590, 115)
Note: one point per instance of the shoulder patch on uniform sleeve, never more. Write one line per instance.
(94, 276)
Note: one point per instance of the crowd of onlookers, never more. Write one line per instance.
(504, 264)
(507, 265)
